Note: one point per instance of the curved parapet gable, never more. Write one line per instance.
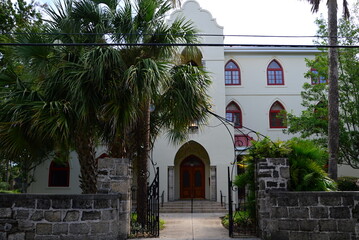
(202, 20)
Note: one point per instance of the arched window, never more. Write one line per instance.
(275, 74)
(59, 174)
(277, 116)
(234, 114)
(232, 74)
(316, 78)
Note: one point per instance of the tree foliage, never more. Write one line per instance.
(19, 153)
(313, 121)
(87, 95)
(306, 161)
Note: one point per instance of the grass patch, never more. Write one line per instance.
(137, 231)
(243, 224)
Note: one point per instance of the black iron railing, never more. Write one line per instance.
(162, 198)
(153, 207)
(230, 205)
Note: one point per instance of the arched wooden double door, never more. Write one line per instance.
(192, 183)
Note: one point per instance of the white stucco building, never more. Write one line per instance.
(250, 86)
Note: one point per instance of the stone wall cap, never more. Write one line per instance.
(60, 196)
(317, 193)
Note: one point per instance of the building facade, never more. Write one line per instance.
(250, 87)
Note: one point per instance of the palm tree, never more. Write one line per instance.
(94, 93)
(333, 93)
(69, 81)
(21, 143)
(154, 78)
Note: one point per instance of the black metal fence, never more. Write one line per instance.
(241, 224)
(152, 226)
(230, 205)
(153, 207)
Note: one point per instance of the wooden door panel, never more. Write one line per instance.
(192, 184)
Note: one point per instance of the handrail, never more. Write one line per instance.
(223, 199)
(162, 198)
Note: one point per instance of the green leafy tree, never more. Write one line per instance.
(156, 76)
(91, 94)
(333, 92)
(306, 161)
(313, 122)
(20, 153)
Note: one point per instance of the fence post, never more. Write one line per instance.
(230, 205)
(271, 174)
(115, 176)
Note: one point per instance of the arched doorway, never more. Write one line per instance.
(192, 180)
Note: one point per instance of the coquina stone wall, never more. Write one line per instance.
(284, 215)
(72, 217)
(25, 216)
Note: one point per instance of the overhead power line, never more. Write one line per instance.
(179, 34)
(177, 45)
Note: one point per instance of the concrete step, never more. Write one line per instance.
(199, 206)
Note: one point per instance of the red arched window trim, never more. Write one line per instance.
(275, 74)
(274, 120)
(59, 174)
(234, 114)
(232, 73)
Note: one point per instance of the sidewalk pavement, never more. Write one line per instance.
(196, 226)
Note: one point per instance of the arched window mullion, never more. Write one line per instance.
(234, 114)
(275, 120)
(232, 73)
(275, 74)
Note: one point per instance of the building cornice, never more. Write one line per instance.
(307, 50)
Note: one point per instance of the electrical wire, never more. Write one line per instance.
(177, 45)
(179, 34)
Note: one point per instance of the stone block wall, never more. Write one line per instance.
(115, 176)
(284, 215)
(32, 216)
(72, 217)
(314, 215)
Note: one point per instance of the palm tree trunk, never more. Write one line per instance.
(86, 155)
(117, 148)
(333, 93)
(143, 137)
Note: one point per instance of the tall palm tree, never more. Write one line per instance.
(153, 78)
(93, 93)
(333, 93)
(18, 144)
(69, 80)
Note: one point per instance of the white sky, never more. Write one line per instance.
(267, 17)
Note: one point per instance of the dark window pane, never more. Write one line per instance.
(59, 178)
(198, 179)
(186, 179)
(59, 174)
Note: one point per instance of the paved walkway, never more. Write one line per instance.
(196, 226)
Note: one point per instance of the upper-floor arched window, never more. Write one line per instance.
(59, 174)
(275, 74)
(232, 74)
(316, 77)
(277, 116)
(234, 114)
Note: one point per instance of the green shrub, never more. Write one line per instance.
(137, 230)
(241, 218)
(4, 186)
(307, 162)
(260, 149)
(347, 184)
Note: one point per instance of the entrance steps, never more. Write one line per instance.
(199, 206)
